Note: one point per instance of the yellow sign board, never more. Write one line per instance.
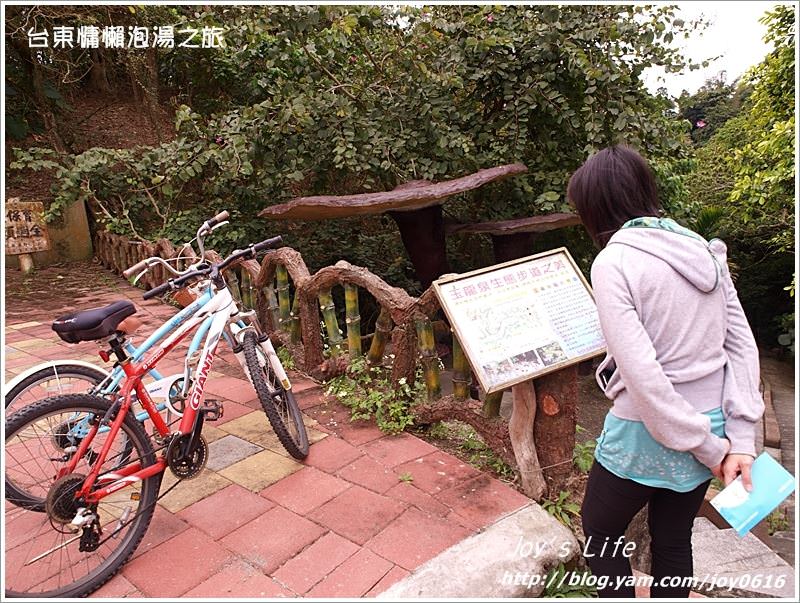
(522, 319)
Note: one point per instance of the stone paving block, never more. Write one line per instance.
(240, 580)
(305, 490)
(260, 470)
(409, 493)
(229, 450)
(395, 574)
(331, 453)
(118, 587)
(272, 538)
(437, 471)
(366, 471)
(233, 410)
(27, 344)
(164, 526)
(225, 511)
(23, 325)
(483, 500)
(415, 537)
(354, 577)
(211, 433)
(357, 514)
(230, 388)
(252, 426)
(190, 491)
(174, 567)
(302, 572)
(397, 449)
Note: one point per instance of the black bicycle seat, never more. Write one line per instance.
(96, 323)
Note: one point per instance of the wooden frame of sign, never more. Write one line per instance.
(522, 319)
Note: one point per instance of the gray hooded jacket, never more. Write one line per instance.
(678, 341)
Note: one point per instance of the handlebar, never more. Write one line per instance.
(213, 269)
(220, 217)
(135, 268)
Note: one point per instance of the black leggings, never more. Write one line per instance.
(609, 506)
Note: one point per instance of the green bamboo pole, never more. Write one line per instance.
(283, 297)
(461, 371)
(272, 306)
(430, 360)
(383, 328)
(353, 320)
(294, 327)
(331, 324)
(491, 404)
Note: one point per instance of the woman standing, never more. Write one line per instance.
(682, 370)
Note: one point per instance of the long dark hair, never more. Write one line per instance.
(613, 186)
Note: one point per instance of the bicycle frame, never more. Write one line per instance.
(218, 308)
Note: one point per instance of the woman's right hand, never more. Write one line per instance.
(716, 471)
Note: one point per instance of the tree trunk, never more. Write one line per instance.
(98, 76)
(512, 246)
(554, 429)
(422, 231)
(520, 428)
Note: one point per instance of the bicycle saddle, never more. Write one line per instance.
(96, 323)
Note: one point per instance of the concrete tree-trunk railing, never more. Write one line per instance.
(288, 301)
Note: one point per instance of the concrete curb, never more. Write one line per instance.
(509, 558)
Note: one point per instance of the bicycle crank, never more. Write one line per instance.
(185, 463)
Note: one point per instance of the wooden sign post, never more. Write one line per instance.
(529, 319)
(25, 231)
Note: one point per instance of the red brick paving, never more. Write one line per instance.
(357, 513)
(244, 505)
(354, 577)
(305, 570)
(305, 490)
(415, 537)
(177, 565)
(345, 525)
(239, 579)
(397, 449)
(273, 538)
(369, 473)
(331, 454)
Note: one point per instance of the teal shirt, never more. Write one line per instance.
(628, 450)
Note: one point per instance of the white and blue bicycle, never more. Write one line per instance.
(214, 314)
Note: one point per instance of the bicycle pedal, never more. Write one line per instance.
(212, 410)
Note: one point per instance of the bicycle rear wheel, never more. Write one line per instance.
(43, 555)
(53, 380)
(279, 404)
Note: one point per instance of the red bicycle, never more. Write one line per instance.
(99, 471)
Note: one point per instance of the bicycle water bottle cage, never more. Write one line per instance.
(97, 323)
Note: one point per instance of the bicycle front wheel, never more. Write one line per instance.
(52, 380)
(279, 404)
(45, 556)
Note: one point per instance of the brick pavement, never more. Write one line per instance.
(257, 523)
